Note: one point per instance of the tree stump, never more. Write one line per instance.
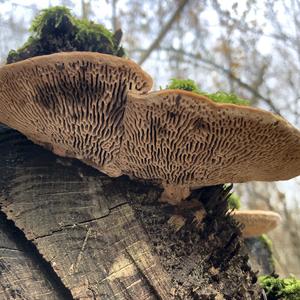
(69, 232)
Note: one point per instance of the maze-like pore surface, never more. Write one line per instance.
(72, 103)
(179, 138)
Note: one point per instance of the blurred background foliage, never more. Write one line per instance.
(250, 48)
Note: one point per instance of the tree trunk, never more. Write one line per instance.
(78, 234)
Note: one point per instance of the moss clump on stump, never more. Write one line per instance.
(277, 288)
(57, 30)
(219, 97)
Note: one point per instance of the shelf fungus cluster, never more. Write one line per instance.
(98, 108)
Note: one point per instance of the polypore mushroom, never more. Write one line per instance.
(184, 141)
(72, 103)
(76, 104)
(256, 222)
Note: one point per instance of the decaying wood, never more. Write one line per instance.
(109, 238)
(23, 275)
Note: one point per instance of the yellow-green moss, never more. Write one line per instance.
(266, 240)
(55, 30)
(53, 20)
(183, 84)
(277, 288)
(234, 201)
(220, 97)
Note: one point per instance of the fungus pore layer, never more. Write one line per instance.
(183, 139)
(72, 103)
(76, 104)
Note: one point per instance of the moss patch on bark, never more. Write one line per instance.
(220, 97)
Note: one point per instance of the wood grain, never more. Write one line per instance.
(91, 239)
(23, 275)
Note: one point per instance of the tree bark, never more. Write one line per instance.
(89, 236)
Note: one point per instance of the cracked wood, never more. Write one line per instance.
(79, 224)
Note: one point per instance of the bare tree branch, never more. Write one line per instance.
(228, 72)
(85, 9)
(163, 31)
(230, 75)
(114, 15)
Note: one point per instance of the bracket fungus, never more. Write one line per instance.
(72, 103)
(256, 222)
(185, 141)
(97, 108)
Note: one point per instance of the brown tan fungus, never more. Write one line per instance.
(77, 105)
(184, 141)
(72, 103)
(256, 222)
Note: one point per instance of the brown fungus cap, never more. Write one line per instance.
(256, 222)
(184, 140)
(72, 103)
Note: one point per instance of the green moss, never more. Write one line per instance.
(220, 97)
(56, 20)
(55, 30)
(234, 201)
(264, 239)
(183, 84)
(277, 288)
